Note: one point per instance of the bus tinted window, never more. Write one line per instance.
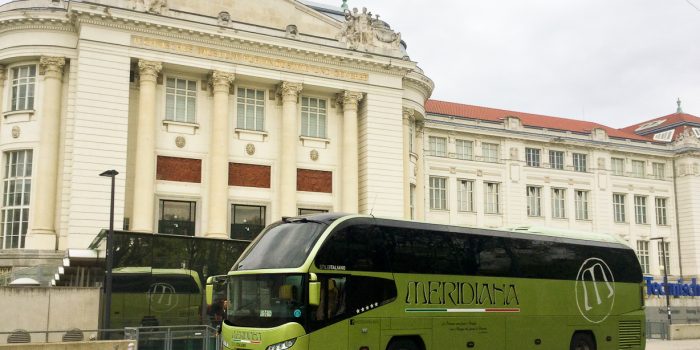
(283, 245)
(355, 247)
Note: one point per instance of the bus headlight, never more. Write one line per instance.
(283, 345)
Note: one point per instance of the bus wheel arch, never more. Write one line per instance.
(406, 342)
(583, 340)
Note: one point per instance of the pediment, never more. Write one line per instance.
(276, 14)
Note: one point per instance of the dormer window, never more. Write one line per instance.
(665, 136)
(650, 125)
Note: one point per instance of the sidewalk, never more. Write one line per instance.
(673, 344)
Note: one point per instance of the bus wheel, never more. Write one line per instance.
(405, 343)
(582, 341)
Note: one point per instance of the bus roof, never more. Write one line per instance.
(566, 233)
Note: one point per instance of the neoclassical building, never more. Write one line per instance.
(220, 117)
(223, 116)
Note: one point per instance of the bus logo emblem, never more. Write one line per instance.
(595, 290)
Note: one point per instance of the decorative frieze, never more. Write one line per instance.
(244, 58)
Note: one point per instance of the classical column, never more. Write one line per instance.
(2, 85)
(350, 177)
(218, 155)
(288, 151)
(43, 229)
(406, 125)
(420, 174)
(145, 169)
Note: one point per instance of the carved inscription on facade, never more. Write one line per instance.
(237, 57)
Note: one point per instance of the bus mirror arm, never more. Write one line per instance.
(314, 293)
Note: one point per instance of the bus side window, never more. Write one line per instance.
(357, 247)
(332, 298)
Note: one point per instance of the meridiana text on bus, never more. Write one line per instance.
(461, 293)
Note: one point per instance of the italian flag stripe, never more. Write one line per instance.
(488, 310)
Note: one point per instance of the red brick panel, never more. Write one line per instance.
(314, 181)
(248, 175)
(179, 169)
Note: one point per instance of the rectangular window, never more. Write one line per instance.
(412, 201)
(492, 197)
(247, 221)
(23, 81)
(437, 146)
(619, 207)
(664, 251)
(534, 201)
(250, 109)
(659, 170)
(180, 100)
(640, 209)
(581, 201)
(489, 152)
(17, 186)
(556, 160)
(465, 149)
(661, 216)
(438, 193)
(466, 195)
(305, 211)
(580, 162)
(313, 117)
(177, 217)
(643, 255)
(532, 157)
(638, 168)
(617, 166)
(559, 203)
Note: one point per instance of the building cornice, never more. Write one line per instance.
(36, 23)
(417, 80)
(141, 23)
(555, 139)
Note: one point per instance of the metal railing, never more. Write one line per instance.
(146, 338)
(174, 338)
(657, 330)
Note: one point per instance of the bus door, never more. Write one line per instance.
(330, 318)
(364, 333)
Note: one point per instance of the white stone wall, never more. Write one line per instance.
(514, 176)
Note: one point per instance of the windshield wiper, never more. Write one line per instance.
(290, 220)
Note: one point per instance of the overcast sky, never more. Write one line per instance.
(616, 62)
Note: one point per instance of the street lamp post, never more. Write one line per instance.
(108, 255)
(666, 289)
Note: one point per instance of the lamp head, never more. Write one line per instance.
(110, 173)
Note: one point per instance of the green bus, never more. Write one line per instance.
(333, 281)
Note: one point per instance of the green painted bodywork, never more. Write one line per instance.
(491, 313)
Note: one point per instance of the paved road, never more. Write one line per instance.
(673, 344)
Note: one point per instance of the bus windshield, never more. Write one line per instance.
(282, 245)
(265, 300)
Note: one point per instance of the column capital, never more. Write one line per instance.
(148, 70)
(289, 91)
(221, 81)
(2, 73)
(51, 64)
(419, 126)
(409, 115)
(349, 99)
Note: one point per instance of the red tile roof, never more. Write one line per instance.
(528, 119)
(676, 118)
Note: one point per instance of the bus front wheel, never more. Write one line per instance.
(405, 343)
(582, 341)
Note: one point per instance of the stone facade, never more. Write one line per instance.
(193, 102)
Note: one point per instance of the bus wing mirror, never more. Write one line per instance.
(210, 294)
(314, 293)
